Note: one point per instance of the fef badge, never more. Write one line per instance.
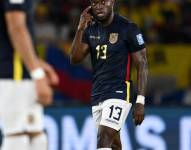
(113, 38)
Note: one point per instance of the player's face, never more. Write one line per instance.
(102, 9)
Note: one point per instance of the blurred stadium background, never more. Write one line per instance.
(166, 25)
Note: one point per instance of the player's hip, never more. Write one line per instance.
(19, 109)
(111, 113)
(95, 100)
(123, 92)
(17, 93)
(10, 83)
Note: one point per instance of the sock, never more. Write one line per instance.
(39, 142)
(20, 142)
(104, 149)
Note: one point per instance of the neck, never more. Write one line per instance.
(108, 21)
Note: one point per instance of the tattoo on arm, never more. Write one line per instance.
(140, 60)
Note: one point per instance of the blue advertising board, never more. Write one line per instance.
(162, 129)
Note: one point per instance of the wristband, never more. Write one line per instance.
(140, 99)
(37, 74)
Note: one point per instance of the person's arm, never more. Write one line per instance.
(21, 39)
(22, 43)
(80, 49)
(138, 54)
(140, 60)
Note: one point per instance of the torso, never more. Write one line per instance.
(110, 54)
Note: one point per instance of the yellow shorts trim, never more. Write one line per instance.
(128, 91)
(17, 67)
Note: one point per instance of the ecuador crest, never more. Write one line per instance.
(113, 38)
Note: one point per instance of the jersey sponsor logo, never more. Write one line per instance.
(16, 1)
(140, 39)
(94, 37)
(119, 91)
(113, 38)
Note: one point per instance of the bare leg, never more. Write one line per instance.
(106, 137)
(116, 145)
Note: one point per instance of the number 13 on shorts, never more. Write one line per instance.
(114, 113)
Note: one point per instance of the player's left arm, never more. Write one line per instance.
(140, 60)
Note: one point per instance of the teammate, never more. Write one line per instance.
(112, 41)
(21, 99)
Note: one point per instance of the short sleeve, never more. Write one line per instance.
(85, 38)
(136, 40)
(14, 5)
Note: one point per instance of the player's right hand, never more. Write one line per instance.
(51, 75)
(85, 19)
(44, 92)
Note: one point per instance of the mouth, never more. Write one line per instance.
(100, 14)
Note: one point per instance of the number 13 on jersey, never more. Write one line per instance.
(101, 51)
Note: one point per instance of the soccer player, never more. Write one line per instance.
(22, 98)
(112, 41)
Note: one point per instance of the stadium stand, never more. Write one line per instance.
(166, 25)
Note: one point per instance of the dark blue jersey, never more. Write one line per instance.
(110, 49)
(11, 66)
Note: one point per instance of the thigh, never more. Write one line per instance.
(114, 113)
(35, 119)
(23, 113)
(35, 112)
(106, 136)
(14, 105)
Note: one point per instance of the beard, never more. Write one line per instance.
(104, 18)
